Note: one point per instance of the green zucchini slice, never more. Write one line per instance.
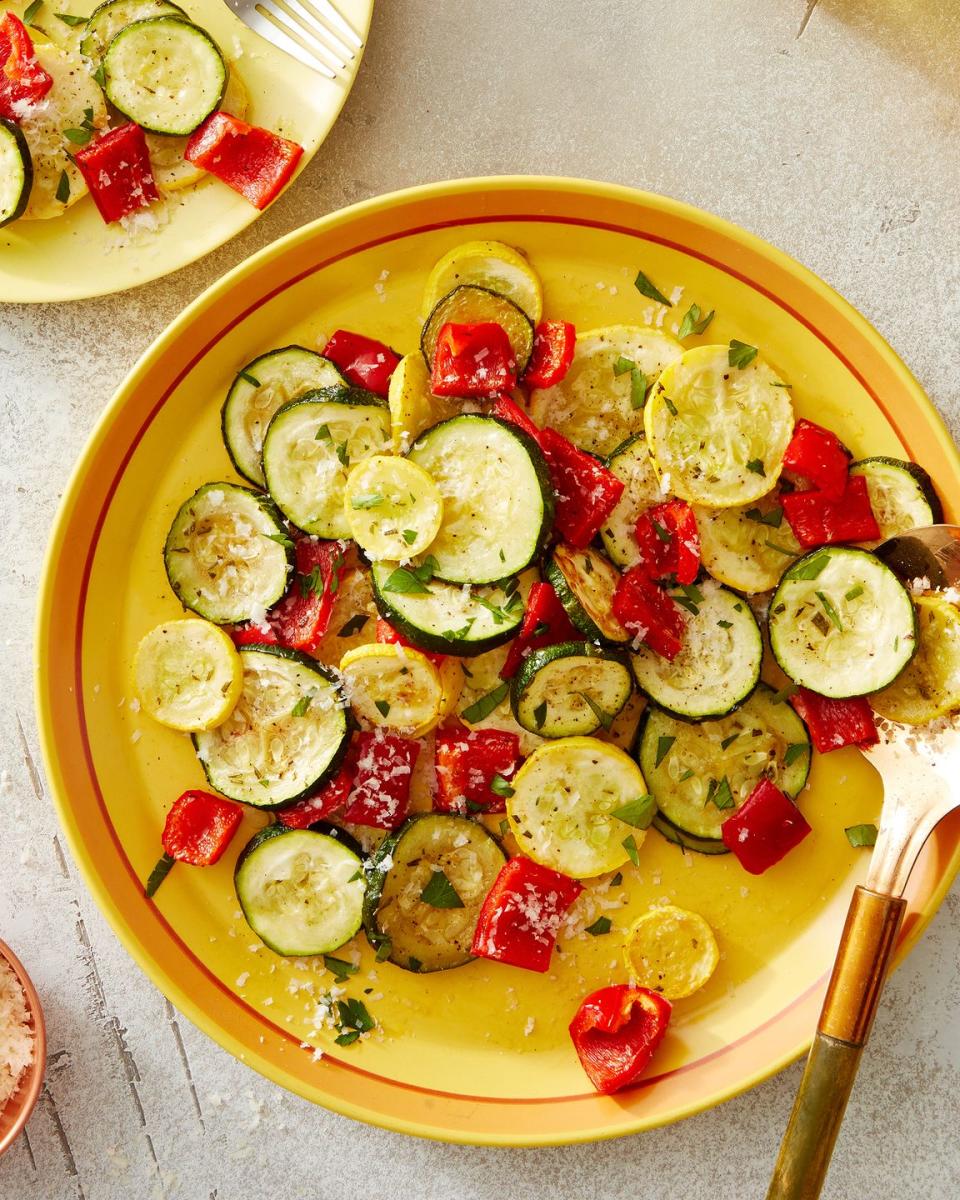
(16, 172)
(841, 623)
(165, 74)
(685, 840)
(468, 304)
(261, 388)
(585, 582)
(719, 663)
(701, 772)
(497, 496)
(287, 735)
(107, 19)
(409, 930)
(228, 554)
(902, 494)
(300, 891)
(448, 618)
(569, 689)
(633, 466)
(310, 445)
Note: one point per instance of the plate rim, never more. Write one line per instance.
(167, 984)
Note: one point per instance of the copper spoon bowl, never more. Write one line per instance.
(16, 1112)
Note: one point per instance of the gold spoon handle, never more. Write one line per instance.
(866, 947)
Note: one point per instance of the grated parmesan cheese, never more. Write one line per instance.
(16, 1034)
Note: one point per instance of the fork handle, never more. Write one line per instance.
(866, 947)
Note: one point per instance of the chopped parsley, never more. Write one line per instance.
(440, 892)
(342, 454)
(794, 751)
(340, 968)
(648, 289)
(311, 583)
(485, 705)
(600, 926)
(773, 518)
(383, 707)
(740, 354)
(352, 1020)
(861, 835)
(617, 879)
(785, 693)
(622, 365)
(725, 624)
(368, 500)
(100, 76)
(282, 539)
(540, 714)
(718, 791)
(664, 742)
(79, 137)
(830, 610)
(809, 568)
(785, 550)
(693, 322)
(158, 874)
(500, 786)
(504, 827)
(756, 466)
(728, 741)
(302, 705)
(629, 844)
(854, 593)
(354, 625)
(63, 188)
(407, 580)
(605, 718)
(662, 532)
(640, 386)
(409, 536)
(70, 19)
(323, 434)
(31, 11)
(638, 813)
(670, 405)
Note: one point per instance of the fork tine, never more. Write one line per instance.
(333, 14)
(269, 25)
(294, 10)
(324, 22)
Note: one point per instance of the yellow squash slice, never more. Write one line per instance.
(671, 951)
(929, 686)
(491, 265)
(398, 688)
(188, 675)
(413, 407)
(393, 507)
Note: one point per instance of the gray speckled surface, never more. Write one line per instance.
(839, 146)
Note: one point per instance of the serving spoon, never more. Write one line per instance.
(920, 769)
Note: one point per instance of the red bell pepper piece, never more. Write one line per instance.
(669, 542)
(545, 623)
(466, 762)
(253, 635)
(816, 520)
(332, 795)
(553, 347)
(22, 80)
(508, 410)
(382, 767)
(473, 360)
(199, 827)
(116, 168)
(836, 723)
(764, 828)
(587, 492)
(521, 915)
(817, 455)
(390, 637)
(615, 1032)
(365, 362)
(648, 613)
(253, 161)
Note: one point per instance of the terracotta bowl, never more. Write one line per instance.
(16, 1112)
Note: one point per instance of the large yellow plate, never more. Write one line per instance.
(454, 1059)
(76, 256)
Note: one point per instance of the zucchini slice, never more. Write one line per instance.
(492, 265)
(569, 689)
(718, 433)
(841, 623)
(686, 764)
(633, 466)
(164, 73)
(599, 402)
(719, 663)
(450, 619)
(497, 497)
(171, 170)
(261, 388)
(585, 582)
(393, 507)
(413, 407)
(228, 553)
(901, 493)
(16, 172)
(286, 736)
(929, 686)
(301, 891)
(188, 674)
(748, 547)
(397, 688)
(310, 445)
(404, 927)
(468, 304)
(563, 804)
(107, 19)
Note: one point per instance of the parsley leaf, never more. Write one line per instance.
(740, 354)
(861, 835)
(663, 748)
(617, 879)
(340, 968)
(369, 500)
(638, 813)
(79, 137)
(622, 365)
(646, 288)
(485, 705)
(31, 11)
(70, 19)
(605, 718)
(342, 454)
(63, 188)
(601, 925)
(781, 549)
(719, 792)
(756, 466)
(500, 786)
(158, 874)
(693, 322)
(100, 76)
(354, 625)
(773, 518)
(409, 536)
(301, 706)
(629, 844)
(440, 892)
(311, 583)
(640, 386)
(808, 568)
(540, 714)
(383, 707)
(830, 610)
(785, 693)
(728, 741)
(794, 751)
(323, 434)
(854, 593)
(409, 580)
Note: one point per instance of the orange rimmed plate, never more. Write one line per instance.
(479, 1054)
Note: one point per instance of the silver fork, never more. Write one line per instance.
(313, 32)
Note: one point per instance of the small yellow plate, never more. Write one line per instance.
(77, 256)
(479, 1054)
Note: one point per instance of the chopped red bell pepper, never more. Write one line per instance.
(253, 161)
(816, 520)
(332, 795)
(467, 762)
(382, 767)
(553, 347)
(648, 613)
(669, 542)
(587, 492)
(253, 635)
(521, 915)
(836, 723)
(22, 80)
(545, 622)
(390, 637)
(817, 455)
(365, 362)
(199, 827)
(615, 1032)
(116, 168)
(764, 829)
(473, 361)
(508, 410)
